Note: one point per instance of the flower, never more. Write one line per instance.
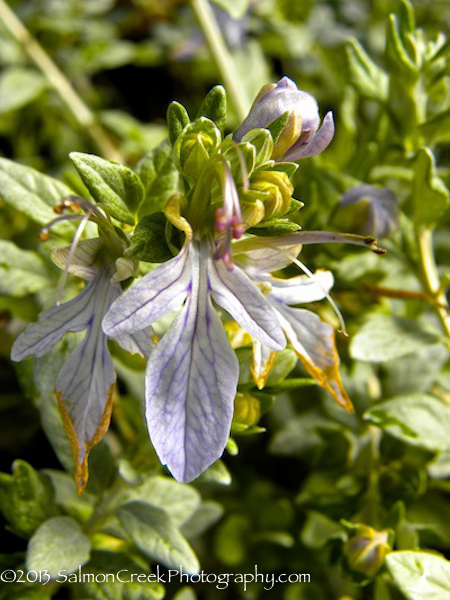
(311, 339)
(368, 210)
(192, 374)
(86, 383)
(301, 136)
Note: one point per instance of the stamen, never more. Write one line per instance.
(73, 247)
(45, 231)
(310, 274)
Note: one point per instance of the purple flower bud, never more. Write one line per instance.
(301, 136)
(367, 210)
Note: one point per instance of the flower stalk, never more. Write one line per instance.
(222, 57)
(430, 276)
(59, 82)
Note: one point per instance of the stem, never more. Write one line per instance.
(430, 276)
(221, 54)
(59, 82)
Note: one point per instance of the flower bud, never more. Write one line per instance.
(247, 410)
(366, 550)
(194, 146)
(279, 188)
(301, 136)
(367, 210)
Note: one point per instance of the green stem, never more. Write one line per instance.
(430, 276)
(224, 61)
(59, 82)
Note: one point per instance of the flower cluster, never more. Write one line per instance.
(227, 228)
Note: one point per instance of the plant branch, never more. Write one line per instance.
(222, 57)
(59, 82)
(430, 276)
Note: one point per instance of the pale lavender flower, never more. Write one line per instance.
(193, 372)
(368, 210)
(311, 339)
(86, 382)
(301, 136)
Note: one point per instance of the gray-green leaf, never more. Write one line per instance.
(115, 186)
(159, 176)
(420, 575)
(18, 87)
(32, 193)
(22, 272)
(382, 338)
(155, 534)
(58, 545)
(419, 420)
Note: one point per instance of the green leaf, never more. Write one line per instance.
(32, 193)
(178, 500)
(159, 176)
(115, 186)
(103, 562)
(365, 75)
(382, 338)
(155, 534)
(58, 544)
(430, 195)
(420, 575)
(177, 119)
(414, 372)
(274, 227)
(277, 126)
(216, 473)
(235, 8)
(318, 530)
(437, 129)
(148, 242)
(263, 143)
(26, 499)
(206, 515)
(18, 87)
(22, 272)
(397, 55)
(419, 420)
(185, 593)
(214, 106)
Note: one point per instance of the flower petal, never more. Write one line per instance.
(239, 296)
(264, 255)
(316, 144)
(85, 385)
(191, 382)
(141, 342)
(161, 291)
(84, 262)
(313, 342)
(53, 323)
(263, 359)
(301, 289)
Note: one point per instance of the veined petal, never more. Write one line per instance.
(159, 292)
(239, 296)
(86, 383)
(263, 359)
(301, 289)
(53, 323)
(84, 261)
(313, 342)
(141, 342)
(316, 144)
(264, 255)
(191, 382)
